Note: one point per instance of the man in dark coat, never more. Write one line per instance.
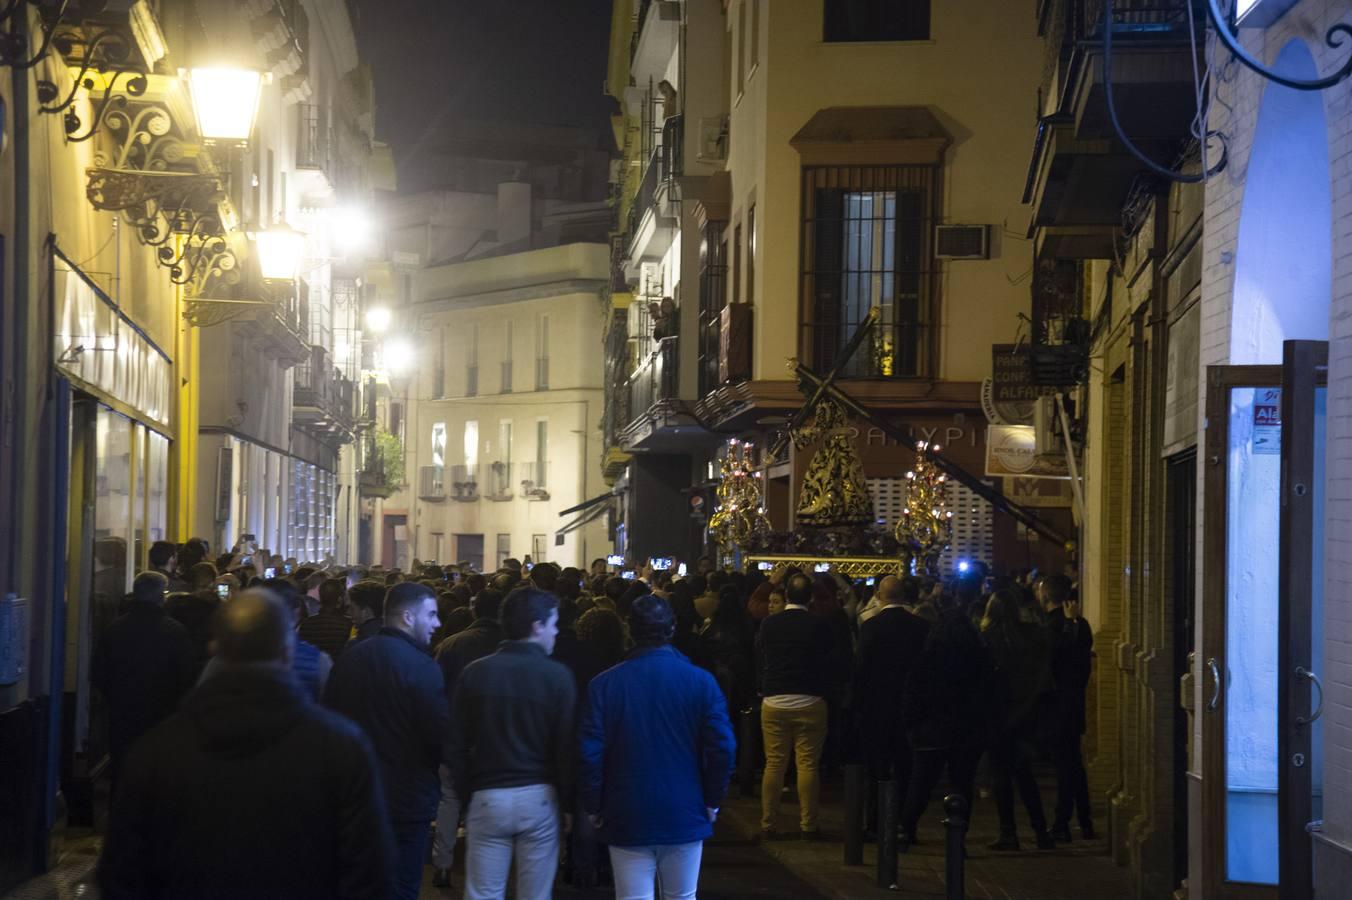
(480, 639)
(656, 754)
(330, 628)
(1072, 642)
(889, 644)
(249, 790)
(144, 664)
(366, 608)
(391, 687)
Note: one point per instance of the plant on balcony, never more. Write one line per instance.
(383, 473)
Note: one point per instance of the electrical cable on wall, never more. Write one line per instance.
(1171, 174)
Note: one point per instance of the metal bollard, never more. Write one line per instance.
(887, 835)
(956, 817)
(854, 814)
(746, 752)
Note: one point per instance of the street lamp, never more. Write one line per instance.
(397, 355)
(225, 102)
(378, 318)
(280, 251)
(351, 228)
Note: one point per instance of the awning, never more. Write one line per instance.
(594, 513)
(587, 504)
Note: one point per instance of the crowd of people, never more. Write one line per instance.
(288, 730)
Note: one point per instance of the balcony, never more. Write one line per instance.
(534, 479)
(382, 473)
(465, 483)
(431, 483)
(1080, 174)
(656, 31)
(656, 379)
(498, 484)
(652, 225)
(316, 153)
(322, 400)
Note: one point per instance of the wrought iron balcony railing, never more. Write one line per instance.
(464, 482)
(656, 379)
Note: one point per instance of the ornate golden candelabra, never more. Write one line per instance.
(926, 526)
(740, 513)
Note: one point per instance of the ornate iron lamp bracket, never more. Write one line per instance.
(1333, 38)
(14, 44)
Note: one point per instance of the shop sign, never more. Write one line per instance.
(1012, 396)
(1267, 422)
(1011, 450)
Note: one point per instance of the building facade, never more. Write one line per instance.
(854, 150)
(147, 152)
(501, 272)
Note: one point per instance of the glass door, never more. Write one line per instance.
(1262, 576)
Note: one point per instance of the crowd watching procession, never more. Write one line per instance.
(288, 730)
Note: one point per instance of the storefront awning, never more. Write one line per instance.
(595, 512)
(587, 504)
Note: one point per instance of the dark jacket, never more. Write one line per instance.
(392, 688)
(946, 701)
(794, 654)
(329, 631)
(1023, 678)
(368, 629)
(195, 612)
(481, 638)
(1072, 660)
(250, 790)
(889, 644)
(144, 664)
(656, 749)
(512, 723)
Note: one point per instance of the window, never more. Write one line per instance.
(500, 472)
(504, 548)
(713, 272)
(741, 46)
(751, 254)
(866, 244)
(439, 366)
(753, 39)
(471, 443)
(877, 20)
(737, 264)
(542, 352)
(439, 445)
(538, 546)
(396, 419)
(540, 475)
(507, 357)
(472, 360)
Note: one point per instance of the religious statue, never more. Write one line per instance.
(834, 493)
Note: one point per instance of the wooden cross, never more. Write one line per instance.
(817, 387)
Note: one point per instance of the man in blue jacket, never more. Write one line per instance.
(390, 686)
(657, 751)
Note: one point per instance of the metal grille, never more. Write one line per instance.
(713, 274)
(867, 242)
(973, 518)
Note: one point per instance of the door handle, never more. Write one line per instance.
(1302, 672)
(1214, 703)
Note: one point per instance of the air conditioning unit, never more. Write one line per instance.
(962, 242)
(713, 138)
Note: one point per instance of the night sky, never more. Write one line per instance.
(439, 61)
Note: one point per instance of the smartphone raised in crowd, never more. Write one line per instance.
(628, 574)
(661, 563)
(765, 566)
(680, 570)
(269, 573)
(223, 591)
(615, 559)
(287, 568)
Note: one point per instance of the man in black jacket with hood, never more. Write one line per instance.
(250, 789)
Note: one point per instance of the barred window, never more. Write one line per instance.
(866, 244)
